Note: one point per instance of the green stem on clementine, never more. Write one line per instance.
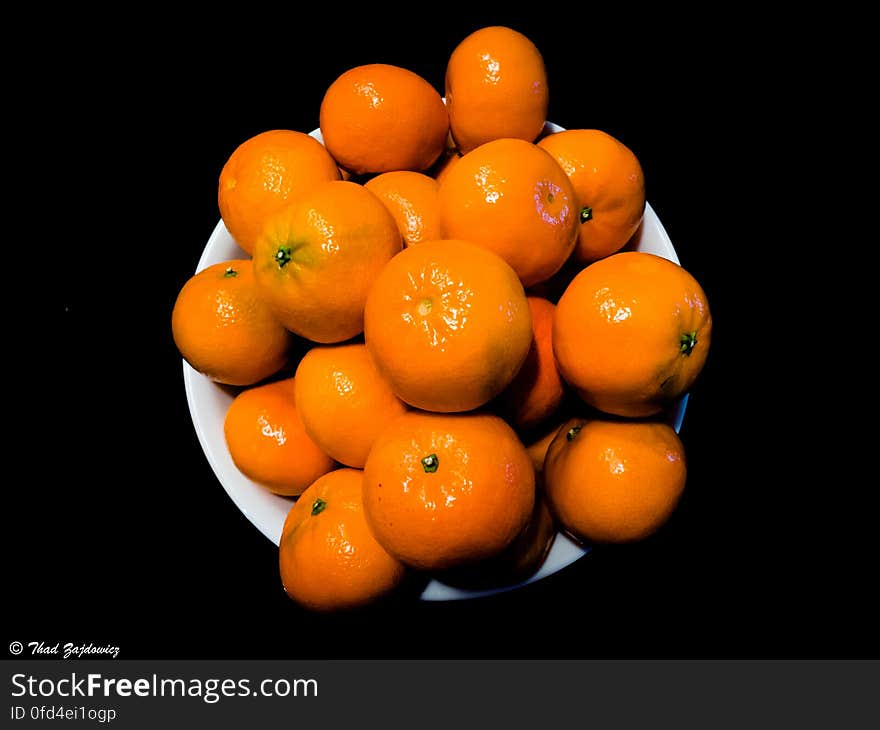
(430, 463)
(572, 432)
(586, 214)
(687, 342)
(318, 506)
(229, 273)
(282, 256)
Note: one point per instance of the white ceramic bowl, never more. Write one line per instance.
(208, 403)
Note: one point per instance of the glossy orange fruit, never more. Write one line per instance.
(317, 258)
(223, 329)
(413, 199)
(442, 490)
(496, 86)
(328, 557)
(537, 390)
(513, 198)
(268, 442)
(378, 118)
(344, 402)
(631, 333)
(610, 188)
(266, 172)
(448, 325)
(614, 481)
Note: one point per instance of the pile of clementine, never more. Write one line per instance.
(450, 413)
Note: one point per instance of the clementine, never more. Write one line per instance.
(268, 442)
(378, 118)
(317, 259)
(448, 325)
(224, 330)
(328, 557)
(263, 174)
(496, 86)
(631, 333)
(614, 481)
(344, 402)
(442, 490)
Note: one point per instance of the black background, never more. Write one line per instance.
(116, 528)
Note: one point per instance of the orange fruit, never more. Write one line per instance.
(343, 401)
(328, 557)
(263, 174)
(378, 118)
(517, 561)
(631, 333)
(448, 325)
(317, 258)
(442, 490)
(609, 185)
(223, 328)
(268, 442)
(614, 481)
(412, 198)
(496, 86)
(513, 198)
(537, 390)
